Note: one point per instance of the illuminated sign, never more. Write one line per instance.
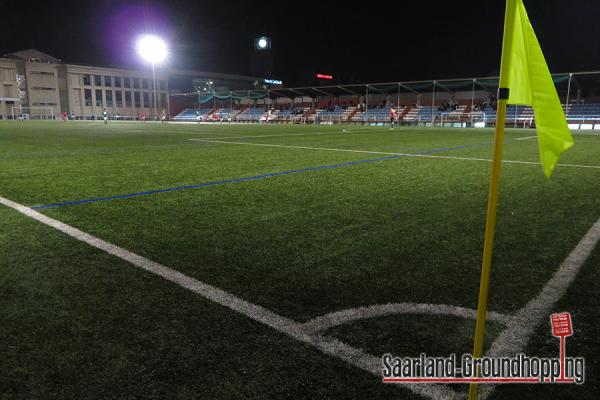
(273, 82)
(324, 76)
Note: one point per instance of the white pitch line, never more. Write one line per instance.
(522, 326)
(391, 153)
(366, 130)
(526, 138)
(331, 320)
(529, 316)
(327, 345)
(296, 147)
(296, 134)
(280, 135)
(512, 340)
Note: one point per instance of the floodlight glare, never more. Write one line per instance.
(152, 48)
(262, 43)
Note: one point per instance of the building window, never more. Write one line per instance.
(146, 100)
(87, 93)
(48, 89)
(145, 83)
(108, 80)
(117, 81)
(109, 102)
(136, 83)
(163, 85)
(87, 81)
(127, 99)
(119, 98)
(126, 83)
(136, 96)
(9, 91)
(97, 80)
(163, 100)
(98, 98)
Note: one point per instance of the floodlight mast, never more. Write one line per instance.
(154, 50)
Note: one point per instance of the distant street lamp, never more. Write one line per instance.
(154, 50)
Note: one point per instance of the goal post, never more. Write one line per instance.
(32, 113)
(463, 120)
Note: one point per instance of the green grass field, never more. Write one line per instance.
(301, 220)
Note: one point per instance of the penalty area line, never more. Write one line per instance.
(278, 135)
(422, 155)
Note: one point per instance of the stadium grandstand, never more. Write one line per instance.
(37, 85)
(447, 103)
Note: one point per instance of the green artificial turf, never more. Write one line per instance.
(302, 244)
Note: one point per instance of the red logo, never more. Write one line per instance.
(561, 328)
(561, 324)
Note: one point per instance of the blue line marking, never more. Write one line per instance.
(238, 180)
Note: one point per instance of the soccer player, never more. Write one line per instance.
(65, 116)
(163, 117)
(143, 116)
(198, 116)
(105, 116)
(393, 117)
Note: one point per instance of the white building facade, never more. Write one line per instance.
(34, 82)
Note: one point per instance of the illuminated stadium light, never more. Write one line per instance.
(152, 48)
(262, 43)
(325, 76)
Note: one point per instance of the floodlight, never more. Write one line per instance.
(262, 43)
(152, 48)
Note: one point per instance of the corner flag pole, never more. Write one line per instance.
(490, 225)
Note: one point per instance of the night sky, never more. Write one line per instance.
(369, 41)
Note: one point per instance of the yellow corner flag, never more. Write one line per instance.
(524, 79)
(530, 83)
